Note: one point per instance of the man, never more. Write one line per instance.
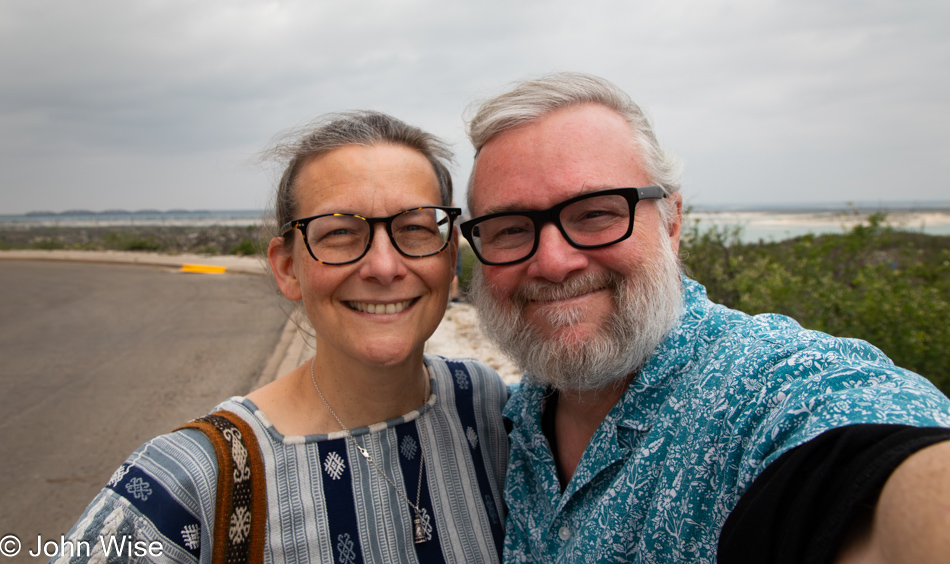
(653, 425)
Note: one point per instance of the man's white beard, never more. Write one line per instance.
(648, 305)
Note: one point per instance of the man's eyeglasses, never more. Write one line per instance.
(589, 221)
(342, 238)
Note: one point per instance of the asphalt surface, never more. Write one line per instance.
(95, 359)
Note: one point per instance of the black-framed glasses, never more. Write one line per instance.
(588, 221)
(342, 238)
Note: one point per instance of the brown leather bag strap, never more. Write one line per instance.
(240, 515)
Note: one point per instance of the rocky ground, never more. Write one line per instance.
(459, 335)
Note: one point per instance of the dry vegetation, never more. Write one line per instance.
(214, 240)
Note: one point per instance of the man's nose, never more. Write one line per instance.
(556, 259)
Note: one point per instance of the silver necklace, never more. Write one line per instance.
(419, 532)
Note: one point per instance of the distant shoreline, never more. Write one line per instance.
(771, 226)
(144, 212)
(899, 219)
(755, 224)
(141, 218)
(903, 206)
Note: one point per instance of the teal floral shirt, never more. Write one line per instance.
(724, 395)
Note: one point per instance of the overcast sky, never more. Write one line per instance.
(163, 103)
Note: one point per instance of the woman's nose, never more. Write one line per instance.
(383, 262)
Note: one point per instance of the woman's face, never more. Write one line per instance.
(375, 181)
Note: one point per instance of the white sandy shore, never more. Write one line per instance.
(911, 220)
(459, 335)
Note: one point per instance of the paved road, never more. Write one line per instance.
(95, 359)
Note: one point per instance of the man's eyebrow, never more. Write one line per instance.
(518, 207)
(505, 208)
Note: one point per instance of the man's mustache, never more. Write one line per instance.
(539, 291)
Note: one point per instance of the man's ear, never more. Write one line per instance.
(676, 222)
(281, 261)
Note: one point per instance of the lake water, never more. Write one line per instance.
(767, 226)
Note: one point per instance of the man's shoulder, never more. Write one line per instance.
(715, 330)
(720, 348)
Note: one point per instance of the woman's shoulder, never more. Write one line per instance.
(479, 373)
(183, 461)
(465, 378)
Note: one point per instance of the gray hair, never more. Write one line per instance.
(300, 146)
(531, 100)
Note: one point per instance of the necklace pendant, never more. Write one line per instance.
(420, 532)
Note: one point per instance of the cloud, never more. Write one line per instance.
(764, 100)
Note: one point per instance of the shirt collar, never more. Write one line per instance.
(639, 405)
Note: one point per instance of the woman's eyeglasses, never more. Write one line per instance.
(342, 238)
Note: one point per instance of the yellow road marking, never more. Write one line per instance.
(203, 268)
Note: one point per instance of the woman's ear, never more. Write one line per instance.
(282, 264)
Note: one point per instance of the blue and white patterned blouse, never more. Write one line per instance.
(724, 395)
(325, 502)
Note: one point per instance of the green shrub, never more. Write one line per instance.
(142, 244)
(888, 287)
(248, 247)
(120, 241)
(47, 244)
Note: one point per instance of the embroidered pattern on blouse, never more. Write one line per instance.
(408, 447)
(461, 378)
(334, 465)
(344, 546)
(191, 535)
(139, 488)
(117, 476)
(490, 508)
(472, 437)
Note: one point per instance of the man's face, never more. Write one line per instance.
(566, 297)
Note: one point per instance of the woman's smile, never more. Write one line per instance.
(380, 308)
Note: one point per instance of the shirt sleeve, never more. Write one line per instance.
(800, 507)
(154, 507)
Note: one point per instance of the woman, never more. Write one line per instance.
(372, 452)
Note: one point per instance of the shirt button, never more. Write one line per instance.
(564, 532)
